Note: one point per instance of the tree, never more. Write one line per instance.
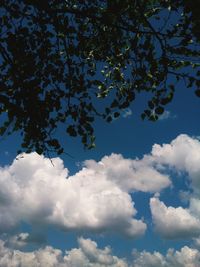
(67, 62)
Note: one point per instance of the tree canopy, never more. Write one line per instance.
(68, 62)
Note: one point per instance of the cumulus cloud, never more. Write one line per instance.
(186, 257)
(36, 192)
(130, 175)
(147, 259)
(48, 257)
(98, 197)
(88, 254)
(183, 154)
(173, 222)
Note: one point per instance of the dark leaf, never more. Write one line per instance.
(159, 110)
(71, 131)
(197, 92)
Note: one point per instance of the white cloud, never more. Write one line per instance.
(173, 222)
(91, 255)
(47, 257)
(126, 112)
(147, 259)
(97, 198)
(129, 175)
(88, 254)
(167, 115)
(186, 257)
(183, 154)
(35, 191)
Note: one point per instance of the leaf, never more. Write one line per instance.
(91, 146)
(168, 99)
(159, 110)
(143, 116)
(60, 151)
(54, 143)
(71, 131)
(197, 92)
(39, 150)
(151, 104)
(109, 119)
(153, 117)
(116, 114)
(54, 65)
(114, 104)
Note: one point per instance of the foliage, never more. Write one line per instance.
(67, 62)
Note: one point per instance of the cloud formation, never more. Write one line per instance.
(36, 192)
(183, 155)
(98, 197)
(128, 174)
(173, 222)
(88, 254)
(186, 257)
(17, 241)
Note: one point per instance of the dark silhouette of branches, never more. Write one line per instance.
(68, 62)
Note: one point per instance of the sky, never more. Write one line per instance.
(132, 201)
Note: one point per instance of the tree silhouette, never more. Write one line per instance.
(68, 62)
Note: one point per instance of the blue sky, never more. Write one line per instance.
(128, 202)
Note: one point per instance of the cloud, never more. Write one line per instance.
(23, 239)
(147, 259)
(98, 197)
(36, 192)
(126, 112)
(173, 222)
(48, 257)
(88, 254)
(130, 175)
(183, 154)
(91, 255)
(167, 115)
(17, 241)
(194, 206)
(196, 242)
(186, 257)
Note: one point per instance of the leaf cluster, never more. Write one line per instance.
(68, 62)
